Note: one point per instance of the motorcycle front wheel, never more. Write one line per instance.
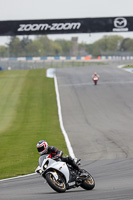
(57, 185)
(89, 183)
(95, 82)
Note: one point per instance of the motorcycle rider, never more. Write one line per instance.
(95, 75)
(44, 148)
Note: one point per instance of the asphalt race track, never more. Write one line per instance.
(99, 123)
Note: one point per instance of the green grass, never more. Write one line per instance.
(28, 113)
(128, 66)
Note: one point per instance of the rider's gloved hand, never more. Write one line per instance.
(56, 157)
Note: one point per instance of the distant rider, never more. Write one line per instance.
(95, 75)
(44, 148)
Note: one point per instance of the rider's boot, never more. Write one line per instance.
(75, 166)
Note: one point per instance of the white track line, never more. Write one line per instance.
(69, 147)
(23, 176)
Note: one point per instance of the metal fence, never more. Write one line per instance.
(22, 65)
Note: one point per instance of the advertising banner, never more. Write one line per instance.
(66, 26)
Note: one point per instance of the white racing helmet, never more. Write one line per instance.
(42, 147)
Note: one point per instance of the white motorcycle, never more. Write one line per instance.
(61, 176)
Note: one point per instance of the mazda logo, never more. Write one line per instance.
(120, 22)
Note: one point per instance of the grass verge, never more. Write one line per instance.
(128, 66)
(28, 113)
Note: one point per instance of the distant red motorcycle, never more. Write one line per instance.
(95, 80)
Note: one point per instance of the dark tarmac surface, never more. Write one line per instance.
(99, 123)
(99, 117)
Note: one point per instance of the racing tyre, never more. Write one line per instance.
(95, 83)
(89, 183)
(57, 185)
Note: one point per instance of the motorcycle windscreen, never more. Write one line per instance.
(41, 159)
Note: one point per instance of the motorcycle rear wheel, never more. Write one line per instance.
(57, 185)
(88, 184)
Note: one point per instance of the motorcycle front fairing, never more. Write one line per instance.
(45, 164)
(59, 166)
(95, 78)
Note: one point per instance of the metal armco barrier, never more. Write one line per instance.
(50, 58)
(61, 58)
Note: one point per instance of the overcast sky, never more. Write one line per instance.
(50, 9)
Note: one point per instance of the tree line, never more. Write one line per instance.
(42, 46)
